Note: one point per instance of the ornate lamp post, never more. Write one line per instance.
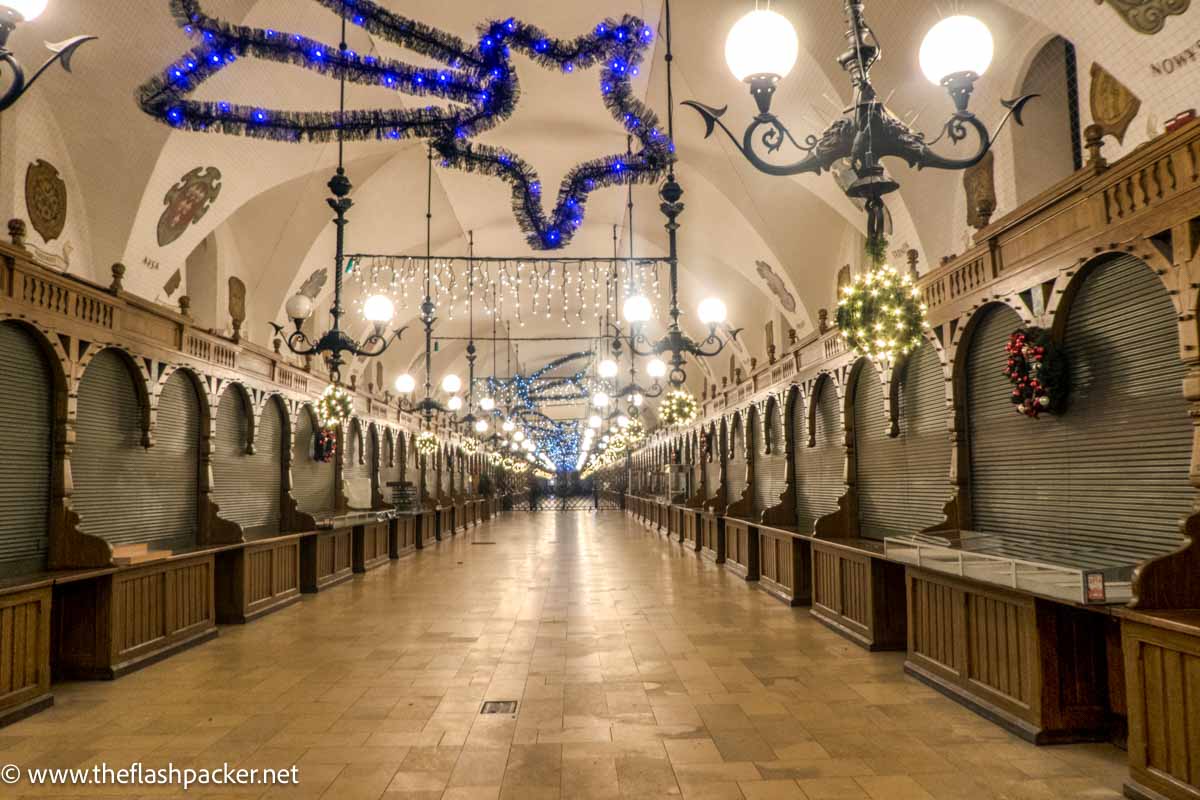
(761, 50)
(12, 14)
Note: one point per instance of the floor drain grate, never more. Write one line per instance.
(499, 707)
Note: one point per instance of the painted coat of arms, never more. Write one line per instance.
(187, 202)
(46, 199)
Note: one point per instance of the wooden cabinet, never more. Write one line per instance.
(858, 595)
(370, 546)
(712, 537)
(24, 653)
(785, 565)
(741, 548)
(1035, 667)
(257, 579)
(1162, 671)
(326, 559)
(111, 625)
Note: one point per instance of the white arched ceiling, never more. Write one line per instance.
(272, 227)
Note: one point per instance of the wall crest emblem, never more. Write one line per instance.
(187, 202)
(777, 286)
(46, 199)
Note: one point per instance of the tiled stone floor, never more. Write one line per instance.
(643, 671)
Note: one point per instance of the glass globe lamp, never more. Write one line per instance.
(481, 426)
(608, 368)
(23, 10)
(954, 53)
(761, 44)
(487, 404)
(637, 309)
(406, 384)
(454, 403)
(379, 310)
(451, 384)
(712, 312)
(656, 368)
(299, 308)
(600, 400)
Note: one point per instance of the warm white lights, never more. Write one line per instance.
(299, 306)
(712, 311)
(455, 403)
(600, 400)
(451, 384)
(637, 400)
(656, 369)
(623, 421)
(379, 309)
(519, 436)
(638, 309)
(761, 43)
(481, 426)
(608, 368)
(508, 426)
(955, 45)
(594, 421)
(406, 384)
(487, 404)
(28, 10)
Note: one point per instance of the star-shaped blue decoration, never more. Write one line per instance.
(480, 83)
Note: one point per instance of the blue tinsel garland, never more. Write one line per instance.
(480, 83)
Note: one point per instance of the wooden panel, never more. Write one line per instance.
(712, 538)
(370, 546)
(935, 624)
(741, 549)
(784, 566)
(859, 596)
(1163, 677)
(326, 559)
(998, 647)
(24, 653)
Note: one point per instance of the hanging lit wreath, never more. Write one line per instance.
(881, 314)
(469, 447)
(1038, 372)
(427, 444)
(325, 447)
(335, 406)
(495, 458)
(635, 432)
(617, 443)
(678, 409)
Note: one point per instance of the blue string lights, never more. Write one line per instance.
(479, 85)
(528, 392)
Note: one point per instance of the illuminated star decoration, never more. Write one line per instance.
(479, 84)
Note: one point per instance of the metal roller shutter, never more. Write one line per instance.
(822, 468)
(26, 405)
(247, 487)
(880, 460)
(770, 472)
(1108, 480)
(114, 473)
(923, 420)
(312, 481)
(352, 469)
(735, 466)
(712, 469)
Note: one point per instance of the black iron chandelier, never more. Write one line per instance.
(762, 49)
(637, 309)
(377, 309)
(428, 406)
(13, 13)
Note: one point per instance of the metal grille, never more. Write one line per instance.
(770, 471)
(312, 481)
(1110, 476)
(112, 471)
(25, 407)
(735, 467)
(821, 469)
(881, 463)
(923, 427)
(247, 487)
(903, 482)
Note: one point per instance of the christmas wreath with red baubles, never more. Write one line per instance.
(326, 445)
(1038, 372)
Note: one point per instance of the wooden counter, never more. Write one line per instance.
(256, 578)
(785, 564)
(712, 537)
(859, 594)
(326, 559)
(741, 548)
(370, 546)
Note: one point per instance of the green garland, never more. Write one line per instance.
(427, 444)
(881, 314)
(678, 409)
(469, 447)
(335, 406)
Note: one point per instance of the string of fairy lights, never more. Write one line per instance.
(573, 292)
